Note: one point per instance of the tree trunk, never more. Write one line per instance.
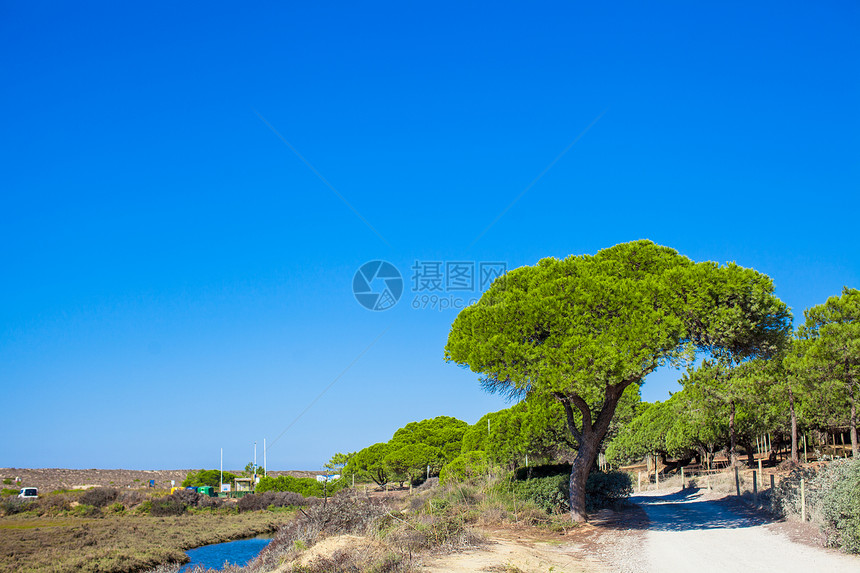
(733, 460)
(579, 475)
(795, 457)
(750, 454)
(589, 439)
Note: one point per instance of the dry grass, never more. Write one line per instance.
(119, 544)
(357, 534)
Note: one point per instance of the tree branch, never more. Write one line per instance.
(571, 423)
(582, 405)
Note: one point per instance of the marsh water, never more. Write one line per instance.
(234, 552)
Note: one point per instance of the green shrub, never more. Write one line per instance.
(206, 477)
(548, 493)
(270, 499)
(552, 493)
(465, 467)
(85, 510)
(832, 498)
(308, 487)
(8, 491)
(840, 506)
(605, 489)
(7, 481)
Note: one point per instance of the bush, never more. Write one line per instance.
(207, 502)
(832, 497)
(342, 515)
(206, 477)
(605, 489)
(130, 498)
(465, 467)
(54, 504)
(186, 497)
(100, 496)
(86, 510)
(167, 506)
(13, 505)
(840, 506)
(548, 493)
(552, 493)
(308, 487)
(265, 500)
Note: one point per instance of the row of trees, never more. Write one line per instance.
(410, 452)
(573, 339)
(810, 384)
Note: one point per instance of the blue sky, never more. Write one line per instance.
(176, 279)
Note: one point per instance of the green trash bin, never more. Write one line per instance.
(206, 490)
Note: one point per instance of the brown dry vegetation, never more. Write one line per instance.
(119, 544)
(51, 479)
(401, 533)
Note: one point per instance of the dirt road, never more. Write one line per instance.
(690, 531)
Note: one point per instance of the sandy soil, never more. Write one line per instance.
(506, 552)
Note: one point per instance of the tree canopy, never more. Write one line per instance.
(433, 442)
(206, 477)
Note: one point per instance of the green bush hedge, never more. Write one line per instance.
(465, 467)
(211, 478)
(552, 493)
(307, 487)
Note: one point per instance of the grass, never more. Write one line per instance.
(120, 544)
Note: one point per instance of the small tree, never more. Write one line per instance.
(338, 462)
(370, 463)
(206, 477)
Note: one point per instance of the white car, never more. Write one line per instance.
(29, 493)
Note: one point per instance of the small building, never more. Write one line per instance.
(244, 486)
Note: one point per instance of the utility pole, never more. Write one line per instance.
(264, 458)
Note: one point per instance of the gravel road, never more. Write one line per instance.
(690, 531)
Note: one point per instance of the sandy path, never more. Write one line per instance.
(511, 554)
(691, 532)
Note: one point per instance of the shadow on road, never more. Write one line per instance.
(681, 511)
